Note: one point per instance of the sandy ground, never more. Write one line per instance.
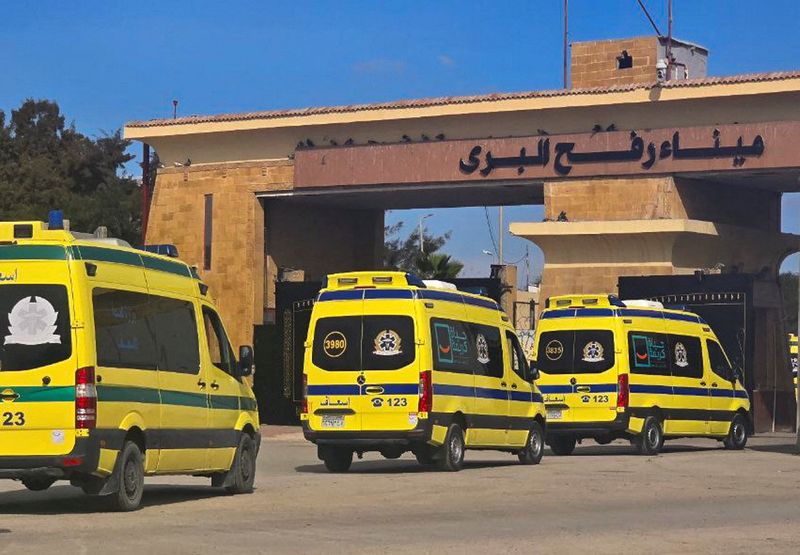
(695, 497)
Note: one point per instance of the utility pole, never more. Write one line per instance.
(421, 233)
(500, 237)
(669, 40)
(566, 39)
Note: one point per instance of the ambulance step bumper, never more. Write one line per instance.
(420, 434)
(589, 429)
(23, 473)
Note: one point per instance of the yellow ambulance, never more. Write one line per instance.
(611, 369)
(114, 364)
(394, 364)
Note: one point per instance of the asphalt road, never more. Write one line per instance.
(694, 497)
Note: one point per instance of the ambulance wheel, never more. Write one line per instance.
(452, 450)
(534, 447)
(130, 466)
(737, 436)
(562, 444)
(338, 460)
(38, 484)
(243, 469)
(651, 439)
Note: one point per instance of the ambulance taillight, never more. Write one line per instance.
(304, 401)
(623, 391)
(85, 399)
(425, 392)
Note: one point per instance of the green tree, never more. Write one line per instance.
(46, 165)
(438, 266)
(403, 253)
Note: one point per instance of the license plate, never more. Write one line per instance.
(333, 421)
(554, 414)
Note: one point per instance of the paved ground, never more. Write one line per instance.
(695, 497)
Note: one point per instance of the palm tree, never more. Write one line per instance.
(437, 266)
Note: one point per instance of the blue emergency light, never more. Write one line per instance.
(55, 219)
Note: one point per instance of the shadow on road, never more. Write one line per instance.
(70, 500)
(403, 467)
(629, 450)
(784, 448)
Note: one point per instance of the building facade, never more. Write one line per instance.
(638, 176)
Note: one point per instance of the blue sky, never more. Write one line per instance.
(109, 62)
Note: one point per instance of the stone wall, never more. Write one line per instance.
(594, 63)
(236, 276)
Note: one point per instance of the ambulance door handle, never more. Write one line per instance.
(201, 384)
(503, 384)
(214, 385)
(714, 384)
(702, 383)
(513, 386)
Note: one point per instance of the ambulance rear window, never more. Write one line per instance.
(358, 343)
(575, 352)
(34, 326)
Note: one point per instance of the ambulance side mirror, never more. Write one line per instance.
(245, 360)
(533, 372)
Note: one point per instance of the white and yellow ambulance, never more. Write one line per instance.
(611, 369)
(114, 364)
(393, 364)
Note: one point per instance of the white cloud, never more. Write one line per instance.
(446, 60)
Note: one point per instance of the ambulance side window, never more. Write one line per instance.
(487, 350)
(518, 362)
(219, 348)
(719, 364)
(123, 329)
(452, 347)
(175, 330)
(686, 357)
(648, 353)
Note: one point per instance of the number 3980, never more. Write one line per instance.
(13, 419)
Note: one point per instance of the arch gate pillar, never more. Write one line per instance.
(671, 226)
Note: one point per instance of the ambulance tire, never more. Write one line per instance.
(534, 447)
(737, 436)
(651, 439)
(338, 460)
(38, 484)
(130, 466)
(243, 469)
(562, 445)
(453, 450)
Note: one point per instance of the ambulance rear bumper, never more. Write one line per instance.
(590, 429)
(83, 459)
(420, 434)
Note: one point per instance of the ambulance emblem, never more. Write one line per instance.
(387, 344)
(681, 355)
(593, 352)
(32, 321)
(483, 349)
